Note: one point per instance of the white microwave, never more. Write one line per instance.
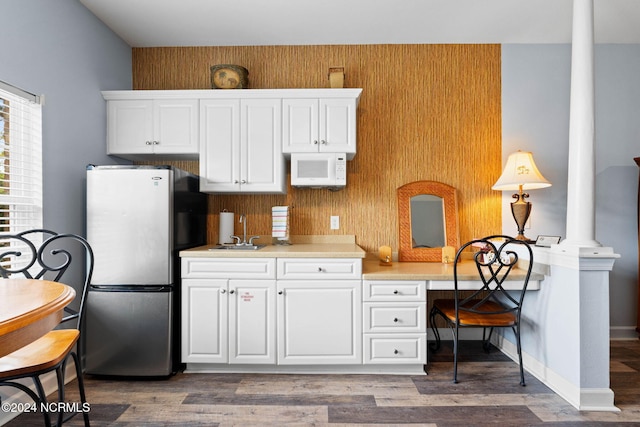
(318, 170)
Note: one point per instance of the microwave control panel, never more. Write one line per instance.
(341, 169)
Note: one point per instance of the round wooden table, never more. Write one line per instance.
(29, 309)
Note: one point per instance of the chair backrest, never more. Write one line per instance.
(495, 257)
(66, 258)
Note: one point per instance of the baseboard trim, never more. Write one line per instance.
(623, 333)
(583, 399)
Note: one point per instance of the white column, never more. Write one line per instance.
(581, 179)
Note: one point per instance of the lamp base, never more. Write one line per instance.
(521, 209)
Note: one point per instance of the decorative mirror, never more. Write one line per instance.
(428, 220)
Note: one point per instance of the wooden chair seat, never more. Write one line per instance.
(467, 318)
(41, 355)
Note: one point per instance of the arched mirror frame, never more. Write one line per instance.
(406, 251)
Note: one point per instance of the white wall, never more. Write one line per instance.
(61, 50)
(535, 117)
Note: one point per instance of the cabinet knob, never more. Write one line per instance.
(315, 142)
(232, 291)
(223, 291)
(280, 292)
(395, 352)
(156, 142)
(148, 142)
(323, 142)
(320, 270)
(395, 320)
(395, 292)
(244, 181)
(235, 181)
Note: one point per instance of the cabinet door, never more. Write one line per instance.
(252, 321)
(262, 167)
(338, 126)
(130, 127)
(300, 125)
(319, 322)
(175, 124)
(204, 321)
(220, 145)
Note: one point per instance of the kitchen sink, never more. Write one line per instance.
(237, 247)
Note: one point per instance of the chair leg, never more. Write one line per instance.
(432, 319)
(36, 400)
(60, 377)
(83, 399)
(455, 354)
(516, 331)
(43, 400)
(486, 341)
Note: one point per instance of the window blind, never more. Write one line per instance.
(20, 160)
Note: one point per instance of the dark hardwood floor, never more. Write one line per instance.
(488, 393)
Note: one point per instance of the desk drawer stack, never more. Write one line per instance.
(394, 326)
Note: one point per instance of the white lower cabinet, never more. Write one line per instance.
(394, 322)
(204, 321)
(228, 320)
(234, 311)
(319, 322)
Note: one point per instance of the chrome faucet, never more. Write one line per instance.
(243, 242)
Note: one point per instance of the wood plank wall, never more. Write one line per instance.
(427, 112)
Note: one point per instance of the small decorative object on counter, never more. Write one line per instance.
(384, 254)
(336, 77)
(280, 225)
(448, 254)
(229, 76)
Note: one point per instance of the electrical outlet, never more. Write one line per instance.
(335, 222)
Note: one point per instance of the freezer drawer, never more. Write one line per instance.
(129, 333)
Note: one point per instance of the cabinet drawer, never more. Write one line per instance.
(319, 268)
(395, 317)
(229, 268)
(394, 290)
(394, 349)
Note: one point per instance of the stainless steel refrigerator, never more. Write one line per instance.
(138, 219)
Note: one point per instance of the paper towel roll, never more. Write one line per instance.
(226, 227)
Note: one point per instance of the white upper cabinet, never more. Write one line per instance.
(240, 149)
(319, 125)
(144, 128)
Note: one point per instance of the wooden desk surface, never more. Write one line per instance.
(29, 309)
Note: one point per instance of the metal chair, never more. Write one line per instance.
(20, 258)
(491, 306)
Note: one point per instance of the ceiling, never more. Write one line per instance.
(149, 23)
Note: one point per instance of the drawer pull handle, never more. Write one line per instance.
(395, 352)
(395, 320)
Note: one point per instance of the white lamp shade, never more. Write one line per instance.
(520, 170)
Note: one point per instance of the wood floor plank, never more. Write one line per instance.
(239, 415)
(442, 416)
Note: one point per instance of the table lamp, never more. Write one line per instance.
(520, 173)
